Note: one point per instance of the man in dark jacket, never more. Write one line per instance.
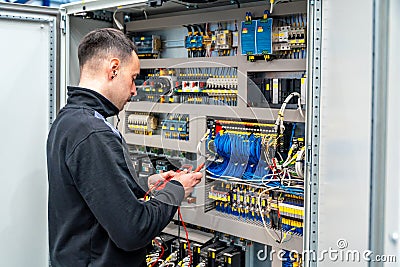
(96, 215)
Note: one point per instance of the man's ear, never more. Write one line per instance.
(113, 68)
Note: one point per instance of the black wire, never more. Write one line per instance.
(276, 235)
(165, 244)
(179, 236)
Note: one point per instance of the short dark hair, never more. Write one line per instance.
(100, 43)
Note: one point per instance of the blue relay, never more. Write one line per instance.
(263, 36)
(248, 37)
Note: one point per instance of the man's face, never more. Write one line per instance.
(125, 86)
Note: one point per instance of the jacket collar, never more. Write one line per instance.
(86, 98)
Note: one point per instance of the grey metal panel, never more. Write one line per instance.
(78, 28)
(30, 10)
(313, 131)
(99, 5)
(217, 111)
(195, 235)
(392, 212)
(258, 255)
(159, 141)
(379, 127)
(274, 65)
(345, 126)
(63, 57)
(213, 16)
(237, 228)
(26, 96)
(189, 62)
(173, 42)
(308, 214)
(197, 124)
(244, 84)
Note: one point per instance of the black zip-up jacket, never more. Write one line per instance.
(95, 216)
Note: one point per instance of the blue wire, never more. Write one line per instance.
(291, 137)
(241, 158)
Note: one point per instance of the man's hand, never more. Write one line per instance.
(188, 180)
(156, 180)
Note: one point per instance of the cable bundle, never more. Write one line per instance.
(240, 155)
(239, 158)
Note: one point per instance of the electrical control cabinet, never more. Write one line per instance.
(252, 93)
(241, 113)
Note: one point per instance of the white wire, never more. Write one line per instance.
(269, 180)
(162, 261)
(279, 119)
(283, 175)
(198, 149)
(298, 165)
(260, 211)
(299, 107)
(236, 182)
(132, 6)
(119, 25)
(265, 142)
(289, 159)
(272, 6)
(289, 177)
(279, 154)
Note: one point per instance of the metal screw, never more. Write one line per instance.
(395, 237)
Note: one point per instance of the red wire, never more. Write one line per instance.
(154, 187)
(183, 224)
(160, 183)
(200, 167)
(187, 236)
(162, 252)
(148, 192)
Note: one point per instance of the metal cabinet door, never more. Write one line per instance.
(28, 104)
